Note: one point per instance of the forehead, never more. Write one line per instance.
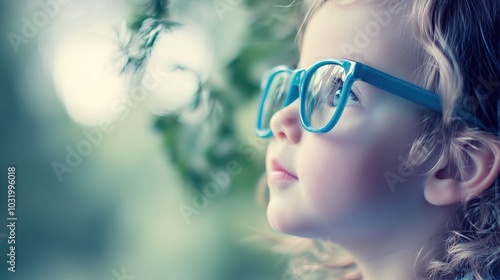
(366, 33)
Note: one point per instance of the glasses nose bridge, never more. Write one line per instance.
(295, 86)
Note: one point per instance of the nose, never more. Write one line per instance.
(285, 124)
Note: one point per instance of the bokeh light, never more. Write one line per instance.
(87, 76)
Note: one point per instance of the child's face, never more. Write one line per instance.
(338, 186)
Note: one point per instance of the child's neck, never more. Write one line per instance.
(393, 266)
(393, 255)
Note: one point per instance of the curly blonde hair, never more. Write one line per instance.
(460, 60)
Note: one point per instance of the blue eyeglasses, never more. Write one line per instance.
(326, 88)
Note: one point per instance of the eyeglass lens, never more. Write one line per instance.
(323, 94)
(275, 99)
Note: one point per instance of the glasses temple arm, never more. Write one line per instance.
(411, 92)
(399, 87)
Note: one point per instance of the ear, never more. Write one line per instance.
(443, 187)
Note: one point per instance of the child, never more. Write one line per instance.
(387, 144)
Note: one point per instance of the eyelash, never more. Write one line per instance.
(352, 96)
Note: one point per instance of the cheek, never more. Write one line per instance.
(343, 178)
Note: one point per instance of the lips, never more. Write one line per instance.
(279, 173)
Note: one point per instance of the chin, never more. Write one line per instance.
(288, 223)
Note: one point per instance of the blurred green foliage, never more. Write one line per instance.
(269, 40)
(119, 208)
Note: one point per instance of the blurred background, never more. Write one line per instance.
(130, 125)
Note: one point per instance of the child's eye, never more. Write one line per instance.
(334, 94)
(351, 100)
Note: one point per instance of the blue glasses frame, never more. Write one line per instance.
(354, 71)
